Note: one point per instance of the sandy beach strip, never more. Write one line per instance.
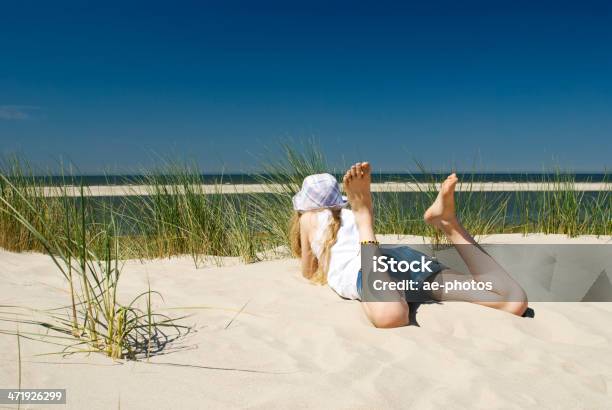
(125, 190)
(263, 338)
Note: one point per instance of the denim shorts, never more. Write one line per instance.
(405, 253)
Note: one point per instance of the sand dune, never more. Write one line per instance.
(300, 345)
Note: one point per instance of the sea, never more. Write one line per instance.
(107, 180)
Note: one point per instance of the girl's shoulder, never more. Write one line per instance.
(315, 215)
(309, 223)
(347, 213)
(312, 220)
(308, 219)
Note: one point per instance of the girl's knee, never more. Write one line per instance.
(516, 308)
(390, 315)
(516, 302)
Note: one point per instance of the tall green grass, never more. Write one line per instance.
(179, 216)
(562, 209)
(87, 254)
(21, 192)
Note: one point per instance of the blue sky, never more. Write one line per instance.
(508, 86)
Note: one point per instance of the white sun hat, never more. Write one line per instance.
(319, 191)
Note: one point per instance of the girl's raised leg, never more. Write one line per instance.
(506, 293)
(357, 182)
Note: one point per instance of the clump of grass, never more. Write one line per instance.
(20, 189)
(562, 209)
(559, 208)
(44, 204)
(97, 320)
(402, 212)
(179, 216)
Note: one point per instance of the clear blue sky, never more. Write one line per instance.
(511, 85)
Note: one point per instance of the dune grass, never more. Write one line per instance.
(177, 216)
(87, 253)
(20, 192)
(560, 208)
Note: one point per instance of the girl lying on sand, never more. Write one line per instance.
(328, 237)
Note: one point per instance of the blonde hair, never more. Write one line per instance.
(329, 239)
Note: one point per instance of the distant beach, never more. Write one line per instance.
(143, 190)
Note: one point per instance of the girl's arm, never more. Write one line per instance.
(309, 261)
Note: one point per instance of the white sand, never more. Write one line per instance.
(302, 346)
(122, 190)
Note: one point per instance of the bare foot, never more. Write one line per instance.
(357, 186)
(357, 182)
(442, 211)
